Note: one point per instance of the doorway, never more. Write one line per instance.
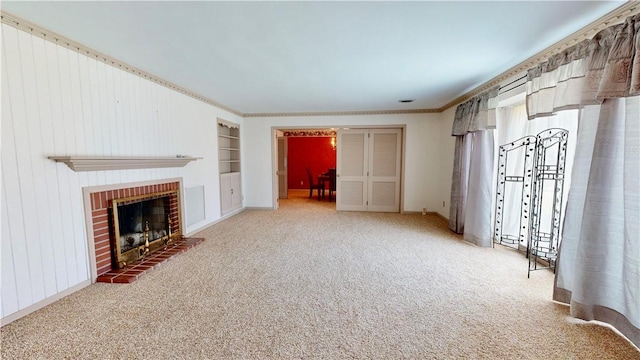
(299, 150)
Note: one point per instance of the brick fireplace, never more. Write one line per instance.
(99, 202)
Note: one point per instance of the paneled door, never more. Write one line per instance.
(351, 169)
(282, 168)
(368, 170)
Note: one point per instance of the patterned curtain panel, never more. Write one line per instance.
(605, 66)
(598, 270)
(476, 114)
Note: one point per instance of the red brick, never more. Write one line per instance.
(103, 269)
(104, 238)
(100, 212)
(101, 199)
(99, 244)
(125, 279)
(103, 255)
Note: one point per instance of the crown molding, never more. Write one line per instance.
(616, 16)
(343, 113)
(35, 30)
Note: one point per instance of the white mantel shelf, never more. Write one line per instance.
(99, 163)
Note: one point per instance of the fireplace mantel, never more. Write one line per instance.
(97, 163)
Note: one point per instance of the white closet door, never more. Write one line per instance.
(384, 170)
(351, 176)
(282, 168)
(368, 170)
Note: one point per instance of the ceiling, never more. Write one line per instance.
(289, 57)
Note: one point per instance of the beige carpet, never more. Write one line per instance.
(308, 282)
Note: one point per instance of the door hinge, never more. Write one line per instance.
(367, 202)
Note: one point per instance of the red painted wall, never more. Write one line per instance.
(313, 152)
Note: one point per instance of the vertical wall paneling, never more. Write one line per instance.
(11, 76)
(42, 278)
(24, 111)
(53, 143)
(42, 131)
(136, 118)
(105, 126)
(87, 113)
(95, 128)
(8, 286)
(56, 101)
(65, 177)
(77, 179)
(86, 94)
(74, 102)
(8, 289)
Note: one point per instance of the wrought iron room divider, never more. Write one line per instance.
(540, 182)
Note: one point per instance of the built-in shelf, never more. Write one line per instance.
(229, 167)
(98, 163)
(228, 148)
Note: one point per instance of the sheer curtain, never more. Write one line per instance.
(598, 270)
(471, 186)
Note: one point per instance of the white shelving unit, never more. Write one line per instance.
(229, 165)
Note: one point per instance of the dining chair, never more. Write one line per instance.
(313, 185)
(332, 183)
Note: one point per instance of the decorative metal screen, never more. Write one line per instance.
(546, 206)
(540, 178)
(520, 150)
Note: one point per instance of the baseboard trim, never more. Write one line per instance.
(260, 208)
(442, 217)
(43, 303)
(192, 233)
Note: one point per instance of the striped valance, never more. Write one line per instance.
(605, 66)
(477, 113)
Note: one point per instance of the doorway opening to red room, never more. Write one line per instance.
(306, 158)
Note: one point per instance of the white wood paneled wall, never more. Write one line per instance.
(56, 101)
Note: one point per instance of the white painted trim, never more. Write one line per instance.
(91, 246)
(41, 304)
(343, 113)
(99, 163)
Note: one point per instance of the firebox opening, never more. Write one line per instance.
(141, 226)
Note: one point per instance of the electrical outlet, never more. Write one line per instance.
(424, 211)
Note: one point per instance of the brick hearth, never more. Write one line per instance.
(134, 271)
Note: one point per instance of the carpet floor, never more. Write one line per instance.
(307, 282)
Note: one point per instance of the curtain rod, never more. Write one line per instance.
(516, 80)
(503, 87)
